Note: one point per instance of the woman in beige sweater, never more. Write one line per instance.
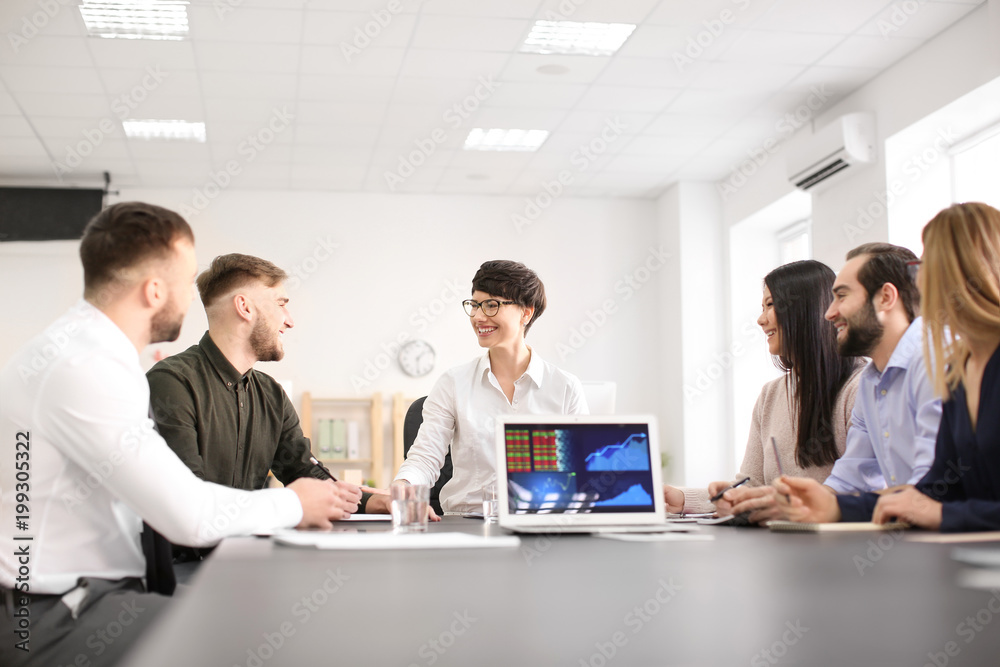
(807, 411)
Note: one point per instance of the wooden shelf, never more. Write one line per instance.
(330, 406)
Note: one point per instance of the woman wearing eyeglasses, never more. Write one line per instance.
(511, 378)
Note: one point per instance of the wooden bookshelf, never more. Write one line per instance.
(367, 410)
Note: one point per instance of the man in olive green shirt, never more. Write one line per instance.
(227, 421)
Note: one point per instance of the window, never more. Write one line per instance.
(975, 164)
(795, 242)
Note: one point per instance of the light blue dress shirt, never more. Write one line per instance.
(894, 423)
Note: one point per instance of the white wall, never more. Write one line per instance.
(401, 265)
(950, 65)
(693, 345)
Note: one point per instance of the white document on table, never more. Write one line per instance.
(388, 540)
(367, 517)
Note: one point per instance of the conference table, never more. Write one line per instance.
(734, 596)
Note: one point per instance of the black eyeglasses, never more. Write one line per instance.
(490, 306)
(913, 268)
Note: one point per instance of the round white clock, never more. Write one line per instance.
(416, 358)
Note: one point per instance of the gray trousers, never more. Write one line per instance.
(92, 626)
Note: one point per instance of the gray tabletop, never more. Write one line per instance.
(746, 597)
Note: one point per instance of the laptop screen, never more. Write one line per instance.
(578, 468)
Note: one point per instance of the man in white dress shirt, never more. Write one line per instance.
(82, 466)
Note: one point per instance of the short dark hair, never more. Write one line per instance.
(234, 270)
(124, 236)
(887, 264)
(512, 281)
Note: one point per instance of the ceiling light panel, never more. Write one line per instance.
(138, 19)
(169, 130)
(481, 139)
(570, 37)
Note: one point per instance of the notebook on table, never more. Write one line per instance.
(581, 474)
(840, 527)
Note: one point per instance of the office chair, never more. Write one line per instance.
(411, 424)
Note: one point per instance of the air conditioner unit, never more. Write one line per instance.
(847, 141)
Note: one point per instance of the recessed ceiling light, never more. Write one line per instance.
(136, 19)
(590, 39)
(553, 70)
(480, 139)
(171, 130)
(477, 177)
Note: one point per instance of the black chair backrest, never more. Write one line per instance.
(411, 425)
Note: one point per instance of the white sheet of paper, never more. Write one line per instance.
(368, 517)
(389, 540)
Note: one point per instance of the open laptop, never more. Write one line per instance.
(579, 473)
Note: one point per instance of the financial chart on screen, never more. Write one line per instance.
(583, 468)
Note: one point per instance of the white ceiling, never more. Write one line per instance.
(354, 121)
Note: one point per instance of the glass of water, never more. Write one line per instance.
(409, 507)
(491, 504)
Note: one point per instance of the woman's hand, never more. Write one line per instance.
(674, 499)
(806, 500)
(910, 506)
(760, 502)
(722, 506)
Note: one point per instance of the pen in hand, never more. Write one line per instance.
(322, 467)
(719, 495)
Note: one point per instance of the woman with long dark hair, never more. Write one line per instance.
(807, 411)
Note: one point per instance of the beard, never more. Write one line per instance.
(165, 327)
(265, 344)
(863, 333)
